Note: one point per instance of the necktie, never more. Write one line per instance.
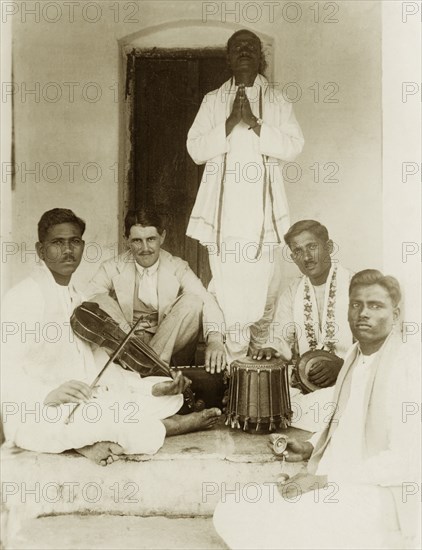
(147, 291)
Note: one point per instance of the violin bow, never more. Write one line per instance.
(111, 359)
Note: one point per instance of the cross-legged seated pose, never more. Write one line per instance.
(365, 463)
(149, 283)
(47, 369)
(311, 314)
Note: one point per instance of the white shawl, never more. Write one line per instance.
(280, 140)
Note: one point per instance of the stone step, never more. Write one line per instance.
(186, 478)
(79, 532)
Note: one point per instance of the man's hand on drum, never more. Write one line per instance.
(215, 354)
(324, 373)
(265, 353)
(297, 451)
(172, 387)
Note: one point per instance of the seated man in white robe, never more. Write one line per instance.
(363, 468)
(47, 369)
(310, 314)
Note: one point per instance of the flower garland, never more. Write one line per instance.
(330, 327)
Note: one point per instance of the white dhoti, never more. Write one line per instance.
(339, 516)
(241, 290)
(242, 270)
(366, 452)
(122, 409)
(241, 206)
(122, 412)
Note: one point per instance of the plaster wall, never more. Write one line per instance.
(69, 130)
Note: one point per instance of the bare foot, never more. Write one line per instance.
(181, 424)
(103, 452)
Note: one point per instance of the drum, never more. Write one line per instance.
(259, 397)
(304, 366)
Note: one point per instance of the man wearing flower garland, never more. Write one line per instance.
(311, 314)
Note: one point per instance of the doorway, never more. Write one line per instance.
(165, 88)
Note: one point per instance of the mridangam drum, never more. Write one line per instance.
(259, 395)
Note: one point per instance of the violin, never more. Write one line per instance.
(94, 325)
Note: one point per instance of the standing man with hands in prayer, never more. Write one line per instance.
(243, 132)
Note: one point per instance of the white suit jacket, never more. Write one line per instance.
(117, 278)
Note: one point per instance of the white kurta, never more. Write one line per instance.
(344, 454)
(282, 327)
(241, 206)
(41, 352)
(357, 509)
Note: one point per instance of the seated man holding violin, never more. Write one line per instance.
(52, 398)
(307, 324)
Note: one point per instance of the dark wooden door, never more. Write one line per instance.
(168, 88)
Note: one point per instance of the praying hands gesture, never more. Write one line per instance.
(241, 111)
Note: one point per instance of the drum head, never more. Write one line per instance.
(306, 363)
(250, 363)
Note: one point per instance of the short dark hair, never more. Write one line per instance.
(147, 217)
(263, 62)
(369, 277)
(314, 227)
(55, 217)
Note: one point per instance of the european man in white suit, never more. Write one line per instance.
(147, 281)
